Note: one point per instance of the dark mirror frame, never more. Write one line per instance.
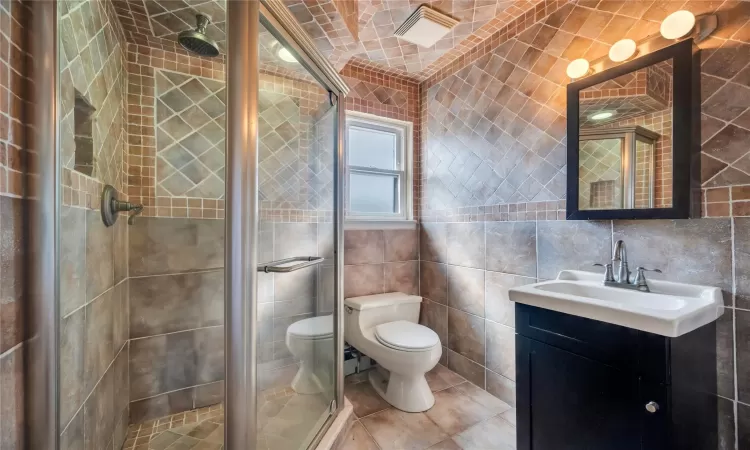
(685, 135)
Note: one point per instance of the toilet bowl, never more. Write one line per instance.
(310, 341)
(385, 328)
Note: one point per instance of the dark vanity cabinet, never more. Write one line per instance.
(588, 385)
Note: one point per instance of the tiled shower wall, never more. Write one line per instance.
(176, 107)
(176, 315)
(149, 72)
(91, 60)
(495, 148)
(94, 326)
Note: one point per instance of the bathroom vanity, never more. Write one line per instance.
(587, 383)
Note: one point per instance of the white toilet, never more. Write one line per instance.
(311, 342)
(385, 328)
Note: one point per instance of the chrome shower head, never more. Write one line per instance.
(196, 41)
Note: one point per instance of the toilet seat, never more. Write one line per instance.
(406, 336)
(312, 328)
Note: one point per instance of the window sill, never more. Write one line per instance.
(380, 224)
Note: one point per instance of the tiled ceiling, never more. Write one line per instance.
(379, 20)
(631, 95)
(375, 44)
(341, 29)
(623, 107)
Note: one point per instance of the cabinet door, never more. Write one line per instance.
(569, 402)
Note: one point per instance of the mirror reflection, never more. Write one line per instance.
(625, 141)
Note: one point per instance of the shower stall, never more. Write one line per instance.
(190, 222)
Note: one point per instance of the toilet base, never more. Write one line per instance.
(306, 382)
(410, 394)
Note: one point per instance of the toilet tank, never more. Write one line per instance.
(373, 310)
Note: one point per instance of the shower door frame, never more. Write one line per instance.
(244, 20)
(628, 136)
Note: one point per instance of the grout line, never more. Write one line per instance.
(369, 434)
(176, 390)
(176, 332)
(12, 349)
(188, 272)
(83, 403)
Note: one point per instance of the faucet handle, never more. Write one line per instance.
(640, 278)
(608, 273)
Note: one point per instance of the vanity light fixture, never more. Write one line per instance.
(286, 55)
(622, 50)
(602, 115)
(578, 68)
(678, 24)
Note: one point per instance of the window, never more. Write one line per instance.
(378, 152)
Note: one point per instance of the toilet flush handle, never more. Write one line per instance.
(349, 309)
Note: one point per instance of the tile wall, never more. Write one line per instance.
(494, 157)
(150, 148)
(93, 330)
(380, 261)
(94, 409)
(92, 68)
(176, 315)
(190, 130)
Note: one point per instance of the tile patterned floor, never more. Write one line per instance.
(464, 417)
(286, 420)
(201, 429)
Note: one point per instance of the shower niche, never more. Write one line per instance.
(634, 138)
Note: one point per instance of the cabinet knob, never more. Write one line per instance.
(652, 407)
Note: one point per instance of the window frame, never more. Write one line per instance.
(404, 156)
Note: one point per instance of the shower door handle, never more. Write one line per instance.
(275, 266)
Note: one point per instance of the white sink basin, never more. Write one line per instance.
(670, 309)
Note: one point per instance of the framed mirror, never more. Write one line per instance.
(633, 139)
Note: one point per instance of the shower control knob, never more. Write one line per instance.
(652, 407)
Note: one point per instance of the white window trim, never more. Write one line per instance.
(402, 221)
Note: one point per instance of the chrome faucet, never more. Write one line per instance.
(617, 273)
(620, 260)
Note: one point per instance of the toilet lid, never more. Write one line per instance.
(407, 336)
(312, 328)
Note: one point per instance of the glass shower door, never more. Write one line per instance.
(295, 358)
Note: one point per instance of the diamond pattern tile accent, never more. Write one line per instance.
(320, 165)
(376, 93)
(91, 41)
(487, 140)
(599, 161)
(190, 136)
(281, 171)
(726, 102)
(506, 105)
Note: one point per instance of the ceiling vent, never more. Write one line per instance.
(425, 27)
